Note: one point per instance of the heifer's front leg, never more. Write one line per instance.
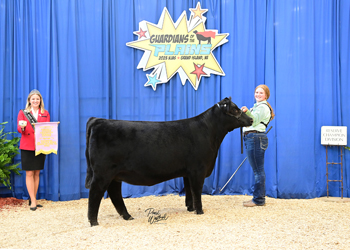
(188, 199)
(115, 192)
(196, 188)
(95, 197)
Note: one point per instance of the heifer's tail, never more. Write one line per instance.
(89, 172)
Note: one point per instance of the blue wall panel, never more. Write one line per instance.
(75, 53)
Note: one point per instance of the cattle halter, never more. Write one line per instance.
(236, 116)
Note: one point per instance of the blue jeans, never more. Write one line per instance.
(256, 144)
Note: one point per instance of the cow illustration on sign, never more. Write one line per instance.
(204, 36)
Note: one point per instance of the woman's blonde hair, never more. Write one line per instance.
(41, 105)
(267, 93)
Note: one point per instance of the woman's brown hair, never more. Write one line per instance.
(267, 93)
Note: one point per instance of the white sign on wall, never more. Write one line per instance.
(334, 135)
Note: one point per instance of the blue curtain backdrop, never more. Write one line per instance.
(75, 53)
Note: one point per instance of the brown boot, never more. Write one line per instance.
(249, 204)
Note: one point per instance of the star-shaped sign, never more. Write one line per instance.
(198, 11)
(141, 33)
(174, 47)
(198, 71)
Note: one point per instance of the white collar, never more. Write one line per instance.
(35, 114)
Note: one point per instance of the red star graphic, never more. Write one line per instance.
(198, 71)
(141, 33)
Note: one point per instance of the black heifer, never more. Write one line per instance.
(147, 153)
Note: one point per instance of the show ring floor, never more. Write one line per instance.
(321, 223)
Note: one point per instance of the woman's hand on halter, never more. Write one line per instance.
(244, 109)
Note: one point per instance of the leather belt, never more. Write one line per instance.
(251, 131)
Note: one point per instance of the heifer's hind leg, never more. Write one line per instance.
(188, 199)
(115, 193)
(95, 196)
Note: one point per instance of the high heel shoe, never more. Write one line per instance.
(33, 208)
(30, 203)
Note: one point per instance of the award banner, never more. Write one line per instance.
(46, 137)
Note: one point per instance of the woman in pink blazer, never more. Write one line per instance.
(34, 112)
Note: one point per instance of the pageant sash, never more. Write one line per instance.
(30, 117)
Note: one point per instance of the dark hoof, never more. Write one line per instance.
(199, 212)
(127, 217)
(190, 209)
(33, 208)
(93, 223)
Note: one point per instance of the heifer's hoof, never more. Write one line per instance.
(127, 217)
(190, 208)
(199, 212)
(93, 223)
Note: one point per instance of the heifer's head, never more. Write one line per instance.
(234, 117)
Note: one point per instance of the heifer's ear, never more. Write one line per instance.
(225, 104)
(228, 104)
